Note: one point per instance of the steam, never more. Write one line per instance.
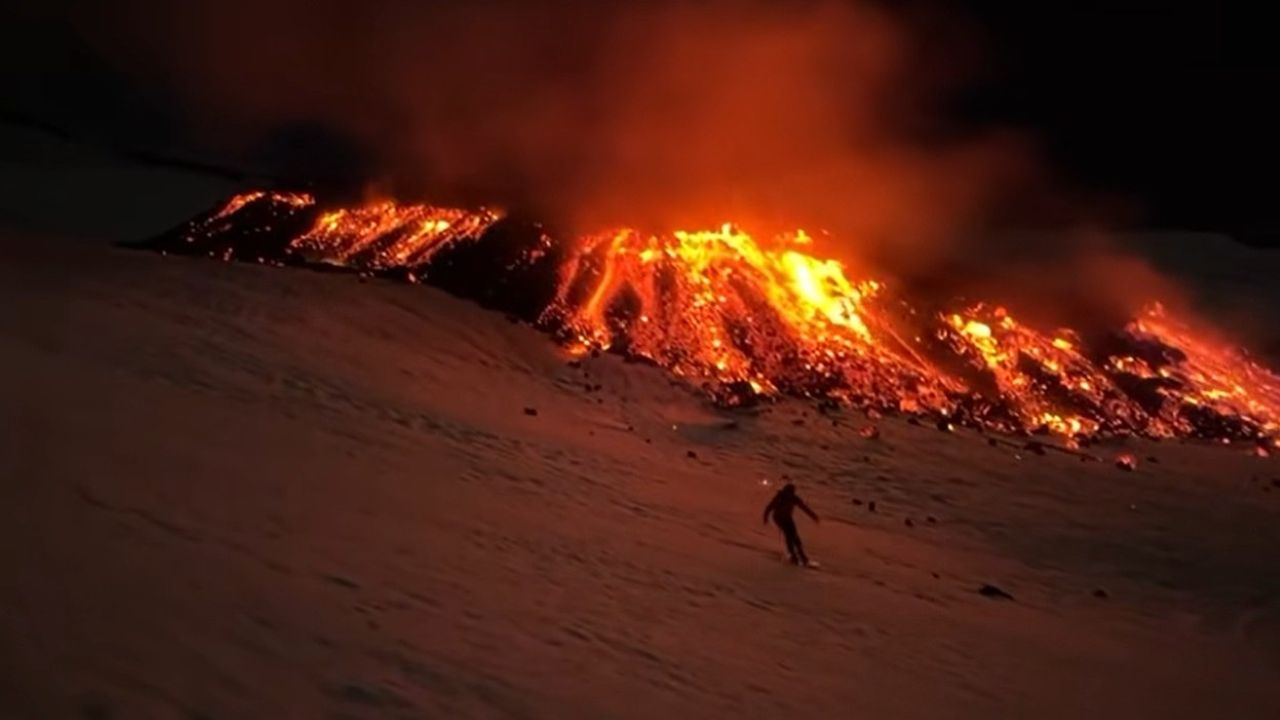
(667, 114)
(824, 114)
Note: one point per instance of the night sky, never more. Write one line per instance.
(1169, 108)
(1173, 105)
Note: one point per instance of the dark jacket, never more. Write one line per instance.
(784, 504)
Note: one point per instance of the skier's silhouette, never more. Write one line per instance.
(781, 507)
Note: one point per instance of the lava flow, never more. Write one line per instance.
(746, 319)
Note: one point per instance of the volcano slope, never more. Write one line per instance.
(235, 491)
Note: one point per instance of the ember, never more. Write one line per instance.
(747, 318)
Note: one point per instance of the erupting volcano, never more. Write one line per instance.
(747, 319)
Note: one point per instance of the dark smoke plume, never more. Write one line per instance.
(827, 114)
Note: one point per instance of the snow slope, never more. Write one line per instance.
(231, 491)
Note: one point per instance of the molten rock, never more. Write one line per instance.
(748, 318)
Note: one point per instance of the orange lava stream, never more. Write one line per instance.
(1045, 380)
(745, 318)
(1210, 374)
(386, 235)
(718, 307)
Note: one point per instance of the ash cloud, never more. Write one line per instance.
(825, 114)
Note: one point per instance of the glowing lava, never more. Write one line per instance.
(745, 318)
(386, 235)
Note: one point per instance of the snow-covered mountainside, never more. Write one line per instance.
(233, 491)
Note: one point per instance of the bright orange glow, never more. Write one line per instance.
(387, 235)
(1210, 375)
(718, 306)
(743, 317)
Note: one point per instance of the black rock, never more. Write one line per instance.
(532, 412)
(1100, 593)
(871, 506)
(994, 592)
(908, 523)
(691, 454)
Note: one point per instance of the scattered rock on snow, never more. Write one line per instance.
(994, 592)
(1126, 462)
(870, 432)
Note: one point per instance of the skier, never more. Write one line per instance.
(781, 507)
